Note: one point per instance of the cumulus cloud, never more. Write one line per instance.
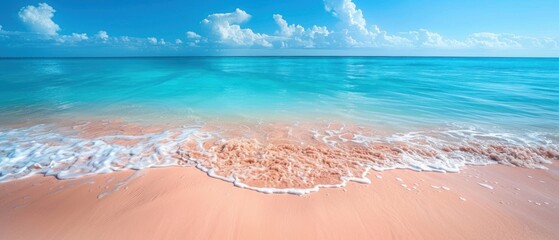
(428, 39)
(348, 13)
(80, 36)
(152, 40)
(193, 39)
(490, 40)
(232, 30)
(493, 40)
(354, 31)
(286, 29)
(75, 37)
(102, 35)
(192, 35)
(318, 31)
(225, 29)
(424, 38)
(155, 41)
(295, 35)
(39, 19)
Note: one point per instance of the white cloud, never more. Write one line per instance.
(225, 28)
(102, 35)
(192, 35)
(488, 40)
(347, 12)
(193, 38)
(428, 39)
(152, 40)
(286, 29)
(493, 40)
(295, 35)
(39, 19)
(125, 39)
(79, 36)
(75, 37)
(319, 31)
(155, 41)
(354, 31)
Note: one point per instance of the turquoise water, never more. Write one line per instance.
(389, 91)
(312, 121)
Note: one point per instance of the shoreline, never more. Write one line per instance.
(264, 156)
(183, 202)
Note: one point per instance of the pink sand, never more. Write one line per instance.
(184, 203)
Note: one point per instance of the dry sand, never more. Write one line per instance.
(184, 203)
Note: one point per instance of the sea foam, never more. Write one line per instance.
(293, 159)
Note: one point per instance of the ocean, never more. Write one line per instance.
(276, 124)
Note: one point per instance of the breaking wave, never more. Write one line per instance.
(271, 158)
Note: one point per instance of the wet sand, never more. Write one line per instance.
(184, 203)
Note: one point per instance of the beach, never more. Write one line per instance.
(490, 202)
(279, 148)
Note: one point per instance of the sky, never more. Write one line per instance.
(62, 28)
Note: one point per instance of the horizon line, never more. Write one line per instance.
(277, 56)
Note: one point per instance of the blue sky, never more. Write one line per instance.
(287, 27)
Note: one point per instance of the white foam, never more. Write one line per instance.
(40, 150)
(43, 149)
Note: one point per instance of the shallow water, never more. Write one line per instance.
(387, 91)
(276, 122)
